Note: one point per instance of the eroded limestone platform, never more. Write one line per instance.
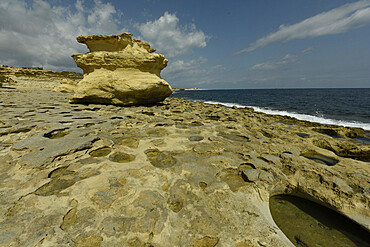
(177, 174)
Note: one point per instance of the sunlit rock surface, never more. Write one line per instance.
(66, 86)
(120, 70)
(179, 173)
(35, 77)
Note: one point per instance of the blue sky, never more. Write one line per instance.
(209, 44)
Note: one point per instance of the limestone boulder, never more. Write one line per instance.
(66, 86)
(120, 70)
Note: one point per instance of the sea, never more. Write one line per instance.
(344, 107)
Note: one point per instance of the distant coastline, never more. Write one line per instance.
(188, 89)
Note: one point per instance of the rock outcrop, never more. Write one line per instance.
(120, 70)
(36, 78)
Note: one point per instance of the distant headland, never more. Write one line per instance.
(188, 89)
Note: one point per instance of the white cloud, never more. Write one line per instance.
(169, 38)
(180, 66)
(180, 73)
(288, 58)
(335, 21)
(308, 50)
(40, 34)
(195, 72)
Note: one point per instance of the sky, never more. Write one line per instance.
(213, 44)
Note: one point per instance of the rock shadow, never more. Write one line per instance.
(307, 223)
(320, 158)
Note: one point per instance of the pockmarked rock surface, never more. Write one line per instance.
(176, 174)
(120, 70)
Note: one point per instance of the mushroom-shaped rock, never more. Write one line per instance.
(120, 70)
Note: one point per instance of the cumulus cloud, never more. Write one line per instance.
(335, 21)
(288, 58)
(41, 34)
(168, 37)
(183, 65)
(182, 73)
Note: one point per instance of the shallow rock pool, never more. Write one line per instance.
(307, 224)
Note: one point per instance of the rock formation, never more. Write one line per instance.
(120, 70)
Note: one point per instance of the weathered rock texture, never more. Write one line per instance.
(177, 174)
(66, 86)
(120, 70)
(2, 79)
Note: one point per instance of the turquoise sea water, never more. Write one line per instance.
(345, 107)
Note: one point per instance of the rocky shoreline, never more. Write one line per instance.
(177, 173)
(35, 78)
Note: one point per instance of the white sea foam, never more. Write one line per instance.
(224, 104)
(299, 116)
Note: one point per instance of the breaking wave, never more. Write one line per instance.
(299, 116)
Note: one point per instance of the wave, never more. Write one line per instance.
(299, 116)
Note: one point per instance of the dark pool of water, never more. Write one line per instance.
(307, 224)
(363, 140)
(319, 158)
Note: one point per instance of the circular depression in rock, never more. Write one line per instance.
(121, 157)
(100, 152)
(307, 223)
(57, 133)
(320, 158)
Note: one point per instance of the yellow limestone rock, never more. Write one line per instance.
(120, 70)
(66, 86)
